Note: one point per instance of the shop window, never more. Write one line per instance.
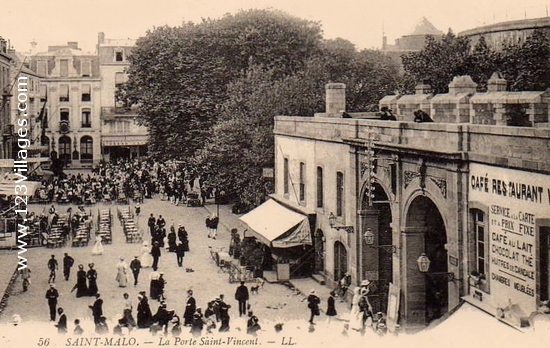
(481, 250)
(302, 181)
(285, 176)
(319, 187)
(339, 193)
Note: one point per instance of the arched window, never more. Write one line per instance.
(86, 149)
(65, 149)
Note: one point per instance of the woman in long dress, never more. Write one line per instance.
(146, 258)
(122, 271)
(92, 280)
(80, 286)
(98, 246)
(355, 315)
(144, 315)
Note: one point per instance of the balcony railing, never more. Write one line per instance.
(109, 112)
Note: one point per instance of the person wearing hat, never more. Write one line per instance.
(127, 310)
(180, 253)
(155, 252)
(92, 280)
(137, 209)
(52, 266)
(190, 308)
(122, 271)
(144, 315)
(52, 295)
(224, 315)
(62, 323)
(80, 286)
(241, 295)
(135, 266)
(253, 324)
(97, 308)
(331, 308)
(68, 262)
(313, 304)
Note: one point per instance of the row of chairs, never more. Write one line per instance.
(104, 225)
(130, 228)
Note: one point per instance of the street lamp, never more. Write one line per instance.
(424, 265)
(368, 236)
(332, 223)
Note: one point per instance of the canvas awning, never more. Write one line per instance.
(276, 226)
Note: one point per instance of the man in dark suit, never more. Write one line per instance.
(135, 266)
(180, 253)
(155, 253)
(62, 323)
(67, 264)
(152, 222)
(52, 296)
(241, 295)
(97, 309)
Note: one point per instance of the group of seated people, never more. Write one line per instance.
(420, 116)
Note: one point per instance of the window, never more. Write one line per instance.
(42, 68)
(86, 149)
(120, 127)
(64, 114)
(339, 193)
(481, 241)
(65, 149)
(86, 118)
(86, 68)
(302, 181)
(119, 55)
(63, 93)
(319, 187)
(285, 176)
(86, 93)
(64, 67)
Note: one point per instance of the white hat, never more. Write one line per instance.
(365, 282)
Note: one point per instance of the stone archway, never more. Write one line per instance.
(319, 251)
(377, 263)
(340, 260)
(426, 294)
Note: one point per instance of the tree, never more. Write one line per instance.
(178, 76)
(438, 62)
(482, 63)
(526, 65)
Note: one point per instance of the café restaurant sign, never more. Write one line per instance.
(514, 201)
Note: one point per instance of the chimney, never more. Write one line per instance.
(101, 38)
(422, 88)
(462, 84)
(3, 45)
(72, 45)
(335, 99)
(496, 83)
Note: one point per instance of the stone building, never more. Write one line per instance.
(434, 213)
(121, 136)
(72, 83)
(5, 106)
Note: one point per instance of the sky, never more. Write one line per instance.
(55, 22)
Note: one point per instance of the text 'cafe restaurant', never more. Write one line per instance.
(510, 237)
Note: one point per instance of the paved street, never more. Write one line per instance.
(274, 303)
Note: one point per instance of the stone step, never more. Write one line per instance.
(318, 278)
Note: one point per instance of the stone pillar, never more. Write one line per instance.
(462, 84)
(496, 83)
(335, 99)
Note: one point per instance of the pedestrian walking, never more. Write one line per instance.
(137, 209)
(92, 280)
(98, 246)
(135, 266)
(331, 308)
(151, 222)
(52, 295)
(67, 264)
(313, 304)
(172, 238)
(242, 296)
(209, 317)
(155, 253)
(62, 323)
(224, 316)
(253, 324)
(197, 323)
(144, 315)
(80, 286)
(127, 311)
(146, 258)
(190, 308)
(122, 273)
(26, 278)
(180, 253)
(97, 309)
(52, 266)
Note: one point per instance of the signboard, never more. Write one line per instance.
(268, 173)
(515, 200)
